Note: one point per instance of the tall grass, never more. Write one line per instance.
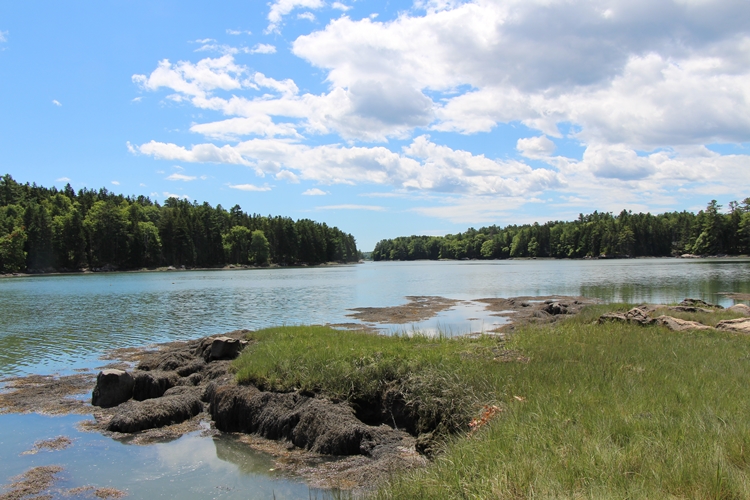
(587, 411)
(608, 411)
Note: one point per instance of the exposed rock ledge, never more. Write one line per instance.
(172, 390)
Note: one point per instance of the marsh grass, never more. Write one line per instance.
(440, 379)
(588, 411)
(608, 411)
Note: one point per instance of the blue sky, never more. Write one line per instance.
(384, 118)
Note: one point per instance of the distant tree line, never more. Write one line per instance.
(709, 232)
(44, 229)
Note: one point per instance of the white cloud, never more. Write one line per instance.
(314, 192)
(263, 48)
(536, 147)
(167, 194)
(286, 175)
(249, 187)
(116, 183)
(238, 32)
(3, 36)
(306, 15)
(63, 179)
(281, 8)
(56, 102)
(137, 99)
(142, 185)
(372, 208)
(181, 177)
(340, 6)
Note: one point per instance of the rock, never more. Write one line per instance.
(639, 315)
(556, 308)
(691, 309)
(612, 318)
(315, 424)
(153, 384)
(167, 361)
(740, 325)
(741, 309)
(113, 387)
(699, 303)
(215, 348)
(177, 405)
(680, 325)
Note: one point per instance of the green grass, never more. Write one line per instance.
(606, 411)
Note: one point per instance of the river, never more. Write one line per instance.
(61, 323)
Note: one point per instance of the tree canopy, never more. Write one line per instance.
(46, 229)
(600, 234)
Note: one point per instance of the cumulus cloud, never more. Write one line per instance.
(63, 179)
(238, 32)
(340, 6)
(167, 194)
(281, 8)
(181, 177)
(263, 48)
(3, 36)
(535, 147)
(642, 87)
(56, 102)
(314, 192)
(116, 183)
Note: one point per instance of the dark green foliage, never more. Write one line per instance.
(708, 232)
(45, 229)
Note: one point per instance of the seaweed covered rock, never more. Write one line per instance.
(113, 387)
(318, 425)
(177, 405)
(699, 303)
(153, 384)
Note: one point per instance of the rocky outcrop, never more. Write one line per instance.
(315, 424)
(741, 309)
(153, 384)
(637, 315)
(175, 406)
(699, 303)
(112, 388)
(215, 348)
(680, 325)
(740, 325)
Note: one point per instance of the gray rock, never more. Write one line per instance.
(699, 303)
(612, 318)
(639, 315)
(556, 308)
(680, 325)
(113, 387)
(740, 325)
(221, 348)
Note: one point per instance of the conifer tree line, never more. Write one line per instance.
(709, 232)
(46, 229)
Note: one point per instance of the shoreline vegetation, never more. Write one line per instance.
(572, 400)
(44, 230)
(598, 235)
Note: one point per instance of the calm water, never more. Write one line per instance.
(54, 324)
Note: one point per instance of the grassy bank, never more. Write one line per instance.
(588, 411)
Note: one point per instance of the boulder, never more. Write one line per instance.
(556, 308)
(639, 315)
(177, 405)
(113, 387)
(741, 309)
(691, 309)
(221, 348)
(680, 325)
(699, 303)
(153, 384)
(740, 325)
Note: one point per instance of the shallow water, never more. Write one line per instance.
(55, 324)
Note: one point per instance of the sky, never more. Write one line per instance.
(384, 118)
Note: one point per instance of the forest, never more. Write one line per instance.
(46, 229)
(600, 235)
